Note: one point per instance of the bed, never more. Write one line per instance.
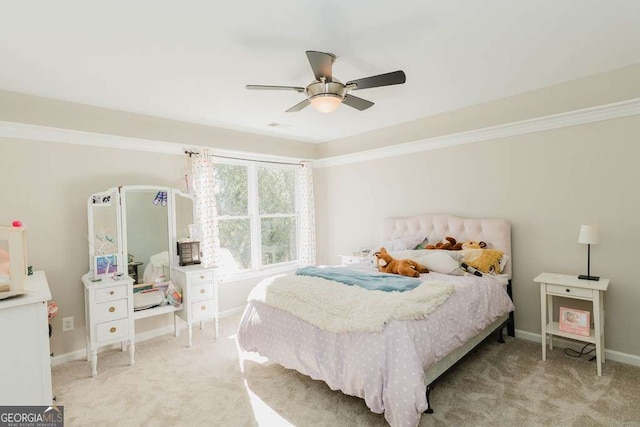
(392, 370)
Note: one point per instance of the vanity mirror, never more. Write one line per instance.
(133, 236)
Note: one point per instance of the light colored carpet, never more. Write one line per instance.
(213, 384)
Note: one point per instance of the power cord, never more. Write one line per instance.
(573, 353)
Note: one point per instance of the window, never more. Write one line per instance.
(257, 215)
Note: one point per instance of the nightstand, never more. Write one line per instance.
(353, 259)
(563, 285)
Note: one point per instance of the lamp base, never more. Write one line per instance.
(594, 278)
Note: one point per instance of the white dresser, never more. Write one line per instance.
(109, 314)
(25, 362)
(199, 296)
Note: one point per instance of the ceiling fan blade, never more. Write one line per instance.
(296, 88)
(298, 106)
(321, 64)
(357, 103)
(388, 79)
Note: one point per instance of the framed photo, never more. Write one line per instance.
(575, 321)
(105, 264)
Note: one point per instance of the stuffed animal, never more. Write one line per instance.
(448, 244)
(472, 244)
(404, 267)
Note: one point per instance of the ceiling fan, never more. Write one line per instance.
(326, 93)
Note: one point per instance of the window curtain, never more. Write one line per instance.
(307, 250)
(202, 186)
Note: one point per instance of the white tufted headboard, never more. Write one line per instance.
(495, 232)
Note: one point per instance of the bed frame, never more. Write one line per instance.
(495, 232)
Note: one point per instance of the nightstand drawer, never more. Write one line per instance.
(112, 330)
(111, 293)
(111, 310)
(200, 277)
(203, 309)
(569, 291)
(200, 292)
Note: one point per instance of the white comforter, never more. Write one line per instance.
(338, 308)
(385, 369)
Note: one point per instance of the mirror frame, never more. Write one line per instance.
(121, 223)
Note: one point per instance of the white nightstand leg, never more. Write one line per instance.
(190, 330)
(602, 325)
(550, 311)
(132, 350)
(598, 328)
(175, 326)
(543, 317)
(94, 362)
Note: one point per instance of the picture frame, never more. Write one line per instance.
(575, 321)
(105, 264)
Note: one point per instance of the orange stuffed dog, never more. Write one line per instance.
(405, 267)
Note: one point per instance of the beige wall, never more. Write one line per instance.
(546, 184)
(20, 108)
(600, 89)
(46, 186)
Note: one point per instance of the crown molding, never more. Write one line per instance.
(72, 136)
(556, 121)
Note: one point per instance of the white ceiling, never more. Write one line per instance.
(190, 60)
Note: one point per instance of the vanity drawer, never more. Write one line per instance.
(569, 291)
(111, 310)
(201, 291)
(203, 309)
(112, 330)
(200, 277)
(111, 293)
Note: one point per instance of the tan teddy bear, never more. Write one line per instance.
(404, 267)
(448, 244)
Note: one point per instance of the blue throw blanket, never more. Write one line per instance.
(372, 281)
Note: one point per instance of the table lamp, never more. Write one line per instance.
(589, 236)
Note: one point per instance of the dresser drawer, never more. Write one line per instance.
(112, 330)
(201, 292)
(203, 309)
(200, 277)
(569, 291)
(111, 293)
(111, 310)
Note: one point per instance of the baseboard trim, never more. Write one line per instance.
(617, 356)
(143, 336)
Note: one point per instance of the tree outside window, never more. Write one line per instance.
(257, 216)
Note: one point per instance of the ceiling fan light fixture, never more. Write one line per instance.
(326, 102)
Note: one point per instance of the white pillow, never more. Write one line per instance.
(445, 262)
(402, 243)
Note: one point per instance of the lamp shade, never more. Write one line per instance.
(326, 103)
(589, 235)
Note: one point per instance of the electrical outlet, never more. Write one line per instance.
(67, 324)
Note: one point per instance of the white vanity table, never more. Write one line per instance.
(25, 362)
(143, 222)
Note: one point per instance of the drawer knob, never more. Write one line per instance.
(112, 309)
(204, 307)
(112, 292)
(568, 290)
(202, 291)
(202, 277)
(112, 330)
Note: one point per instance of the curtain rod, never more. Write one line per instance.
(195, 153)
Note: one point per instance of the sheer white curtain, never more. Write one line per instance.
(307, 250)
(202, 185)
